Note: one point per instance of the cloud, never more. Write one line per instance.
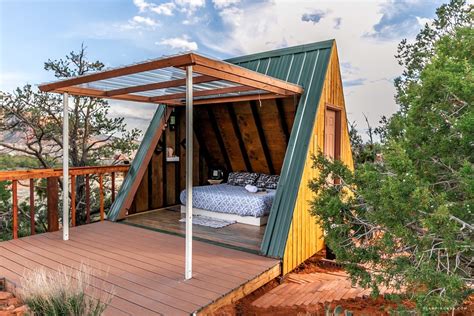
(354, 82)
(190, 6)
(179, 43)
(142, 5)
(314, 17)
(231, 16)
(139, 21)
(402, 18)
(221, 4)
(164, 8)
(337, 23)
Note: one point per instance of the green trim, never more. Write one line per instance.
(212, 242)
(114, 212)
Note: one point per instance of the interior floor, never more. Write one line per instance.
(241, 236)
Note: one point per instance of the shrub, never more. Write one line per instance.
(63, 292)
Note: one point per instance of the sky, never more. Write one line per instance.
(120, 32)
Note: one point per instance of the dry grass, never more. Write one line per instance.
(64, 292)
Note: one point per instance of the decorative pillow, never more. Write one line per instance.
(242, 178)
(267, 181)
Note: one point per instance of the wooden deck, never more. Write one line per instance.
(145, 268)
(239, 236)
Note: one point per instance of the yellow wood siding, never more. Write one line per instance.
(305, 236)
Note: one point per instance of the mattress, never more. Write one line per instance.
(224, 198)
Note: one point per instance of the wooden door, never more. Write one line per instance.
(330, 134)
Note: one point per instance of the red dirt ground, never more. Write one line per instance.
(317, 263)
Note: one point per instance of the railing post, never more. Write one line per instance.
(101, 196)
(113, 186)
(15, 208)
(32, 207)
(88, 199)
(52, 195)
(73, 200)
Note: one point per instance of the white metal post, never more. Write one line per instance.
(65, 167)
(189, 173)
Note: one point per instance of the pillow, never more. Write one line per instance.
(267, 181)
(242, 178)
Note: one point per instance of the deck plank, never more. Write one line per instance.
(196, 295)
(172, 253)
(160, 296)
(145, 268)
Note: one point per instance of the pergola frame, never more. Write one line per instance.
(209, 70)
(252, 85)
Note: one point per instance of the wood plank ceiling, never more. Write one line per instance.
(245, 136)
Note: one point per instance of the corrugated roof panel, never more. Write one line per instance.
(304, 65)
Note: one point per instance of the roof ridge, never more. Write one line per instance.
(283, 51)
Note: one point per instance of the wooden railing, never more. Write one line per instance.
(52, 177)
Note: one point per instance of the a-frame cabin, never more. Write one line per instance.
(274, 136)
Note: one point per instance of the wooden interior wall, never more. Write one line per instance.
(305, 237)
(163, 180)
(243, 136)
(247, 136)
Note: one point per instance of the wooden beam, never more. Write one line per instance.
(87, 92)
(164, 167)
(242, 98)
(202, 93)
(282, 119)
(175, 61)
(229, 68)
(202, 145)
(177, 149)
(242, 80)
(158, 85)
(46, 173)
(261, 136)
(219, 139)
(238, 134)
(52, 196)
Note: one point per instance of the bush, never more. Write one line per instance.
(63, 292)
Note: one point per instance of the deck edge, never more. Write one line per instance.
(242, 290)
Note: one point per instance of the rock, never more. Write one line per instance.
(10, 308)
(20, 310)
(5, 295)
(13, 301)
(5, 313)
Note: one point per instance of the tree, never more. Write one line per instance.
(36, 118)
(406, 222)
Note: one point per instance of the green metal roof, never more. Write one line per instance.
(131, 177)
(306, 66)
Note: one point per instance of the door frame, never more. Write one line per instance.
(338, 131)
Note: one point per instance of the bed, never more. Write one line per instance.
(231, 202)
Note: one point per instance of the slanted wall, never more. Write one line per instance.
(305, 236)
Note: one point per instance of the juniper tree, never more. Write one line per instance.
(406, 222)
(36, 117)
